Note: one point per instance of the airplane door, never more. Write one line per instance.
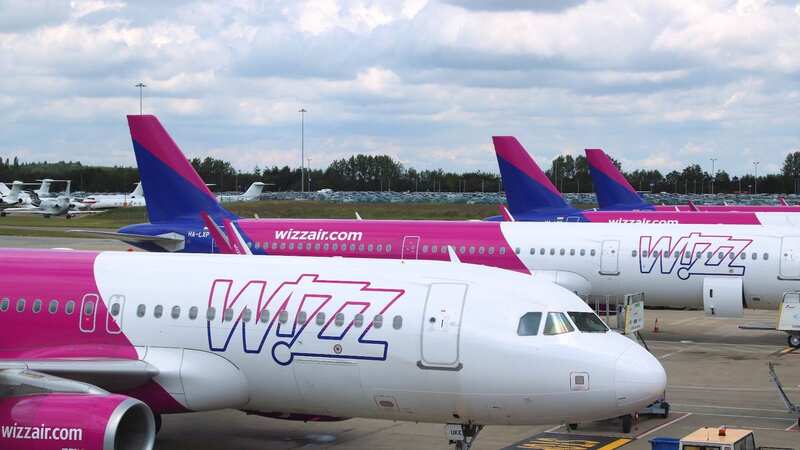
(116, 308)
(88, 312)
(441, 326)
(410, 247)
(609, 258)
(723, 296)
(790, 258)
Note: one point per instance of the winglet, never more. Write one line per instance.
(613, 191)
(782, 201)
(453, 255)
(507, 217)
(693, 207)
(238, 244)
(220, 240)
(358, 216)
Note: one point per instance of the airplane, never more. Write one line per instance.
(532, 197)
(615, 192)
(47, 207)
(92, 357)
(719, 268)
(13, 196)
(4, 190)
(135, 198)
(252, 193)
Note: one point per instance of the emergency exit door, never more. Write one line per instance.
(790, 258)
(609, 258)
(410, 247)
(441, 326)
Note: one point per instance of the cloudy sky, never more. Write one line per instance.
(658, 84)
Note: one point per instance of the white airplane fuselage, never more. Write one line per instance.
(418, 341)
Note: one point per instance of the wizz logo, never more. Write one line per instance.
(695, 254)
(308, 317)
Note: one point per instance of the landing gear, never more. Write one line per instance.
(794, 340)
(462, 435)
(572, 426)
(627, 423)
(157, 418)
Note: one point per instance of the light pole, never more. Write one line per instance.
(309, 174)
(755, 180)
(713, 174)
(141, 87)
(302, 112)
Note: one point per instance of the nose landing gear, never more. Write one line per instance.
(462, 435)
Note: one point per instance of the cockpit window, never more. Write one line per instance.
(588, 322)
(529, 324)
(557, 323)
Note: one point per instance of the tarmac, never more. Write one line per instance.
(717, 375)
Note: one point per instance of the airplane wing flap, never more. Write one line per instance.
(71, 375)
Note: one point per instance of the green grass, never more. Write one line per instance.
(117, 218)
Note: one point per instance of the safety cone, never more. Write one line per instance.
(655, 326)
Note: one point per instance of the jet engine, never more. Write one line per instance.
(68, 420)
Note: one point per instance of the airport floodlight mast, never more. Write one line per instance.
(755, 178)
(302, 112)
(141, 87)
(308, 167)
(713, 174)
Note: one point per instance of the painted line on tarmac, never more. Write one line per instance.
(740, 416)
(725, 389)
(667, 355)
(677, 419)
(729, 407)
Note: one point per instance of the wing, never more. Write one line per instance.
(73, 375)
(170, 241)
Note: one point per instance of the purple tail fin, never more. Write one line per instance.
(527, 187)
(612, 189)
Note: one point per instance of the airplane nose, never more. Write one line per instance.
(640, 378)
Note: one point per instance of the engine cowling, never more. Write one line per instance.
(82, 421)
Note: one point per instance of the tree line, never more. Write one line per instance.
(383, 173)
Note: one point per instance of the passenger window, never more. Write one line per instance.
(633, 253)
(291, 245)
(388, 248)
(358, 320)
(541, 251)
(283, 245)
(552, 251)
(561, 252)
(88, 308)
(766, 256)
(754, 256)
(557, 323)
(211, 313)
(583, 252)
(516, 250)
(352, 247)
(336, 247)
(491, 250)
(588, 322)
(264, 315)
(472, 250)
(4, 304)
(361, 247)
(316, 247)
(274, 245)
(158, 311)
(481, 250)
(644, 253)
(434, 248)
(339, 320)
(502, 250)
(227, 314)
(115, 309)
(529, 324)
(176, 311)
(592, 252)
(37, 306)
(193, 313)
(21, 305)
(425, 248)
(379, 248)
(141, 310)
(52, 308)
(397, 323)
(709, 254)
(370, 248)
(302, 317)
(283, 317)
(572, 252)
(377, 322)
(69, 308)
(321, 318)
(247, 314)
(462, 249)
